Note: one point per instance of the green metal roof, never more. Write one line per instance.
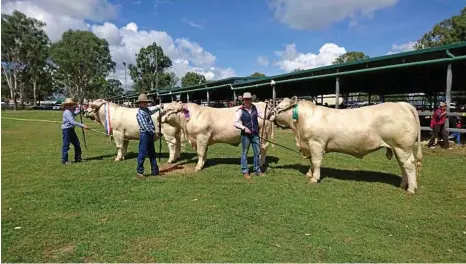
(231, 80)
(365, 62)
(447, 51)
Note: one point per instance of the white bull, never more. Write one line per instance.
(207, 125)
(356, 132)
(125, 127)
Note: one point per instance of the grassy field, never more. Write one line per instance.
(97, 211)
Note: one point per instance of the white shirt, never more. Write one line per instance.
(237, 122)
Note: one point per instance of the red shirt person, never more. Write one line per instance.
(438, 123)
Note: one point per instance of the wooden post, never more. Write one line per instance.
(337, 93)
(369, 99)
(234, 98)
(187, 97)
(274, 96)
(208, 98)
(448, 94)
(322, 99)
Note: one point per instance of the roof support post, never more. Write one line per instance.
(274, 93)
(322, 99)
(382, 98)
(208, 98)
(234, 98)
(337, 93)
(448, 93)
(187, 97)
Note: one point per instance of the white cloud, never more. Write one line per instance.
(314, 14)
(408, 46)
(291, 59)
(192, 23)
(107, 31)
(185, 54)
(124, 42)
(56, 24)
(262, 61)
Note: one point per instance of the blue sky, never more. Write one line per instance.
(221, 38)
(237, 32)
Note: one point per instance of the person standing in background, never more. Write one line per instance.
(439, 118)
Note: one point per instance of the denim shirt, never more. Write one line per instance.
(68, 120)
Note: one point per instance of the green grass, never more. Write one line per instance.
(97, 211)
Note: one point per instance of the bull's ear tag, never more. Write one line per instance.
(295, 113)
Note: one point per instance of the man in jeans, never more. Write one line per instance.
(246, 120)
(439, 118)
(146, 136)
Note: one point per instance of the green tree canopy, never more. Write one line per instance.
(24, 51)
(258, 74)
(192, 78)
(448, 31)
(350, 56)
(148, 73)
(82, 60)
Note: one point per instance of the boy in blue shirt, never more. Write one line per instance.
(69, 135)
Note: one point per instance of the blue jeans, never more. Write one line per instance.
(457, 136)
(147, 148)
(69, 136)
(246, 140)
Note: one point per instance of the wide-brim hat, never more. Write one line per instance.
(68, 101)
(143, 98)
(247, 95)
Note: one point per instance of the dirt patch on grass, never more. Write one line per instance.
(142, 249)
(169, 169)
(52, 254)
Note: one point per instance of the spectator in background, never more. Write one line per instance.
(457, 135)
(438, 122)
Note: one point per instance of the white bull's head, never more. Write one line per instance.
(93, 109)
(170, 112)
(282, 113)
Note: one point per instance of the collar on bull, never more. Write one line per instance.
(295, 113)
(107, 121)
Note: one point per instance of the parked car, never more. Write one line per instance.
(56, 107)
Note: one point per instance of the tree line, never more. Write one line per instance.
(80, 63)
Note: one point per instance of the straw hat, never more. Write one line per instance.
(68, 101)
(143, 98)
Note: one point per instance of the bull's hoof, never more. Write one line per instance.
(404, 186)
(117, 159)
(170, 161)
(312, 181)
(197, 169)
(411, 191)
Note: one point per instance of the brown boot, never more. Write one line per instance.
(140, 176)
(246, 176)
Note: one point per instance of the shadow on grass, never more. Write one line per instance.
(349, 175)
(230, 161)
(134, 155)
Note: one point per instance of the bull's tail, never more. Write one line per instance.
(419, 147)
